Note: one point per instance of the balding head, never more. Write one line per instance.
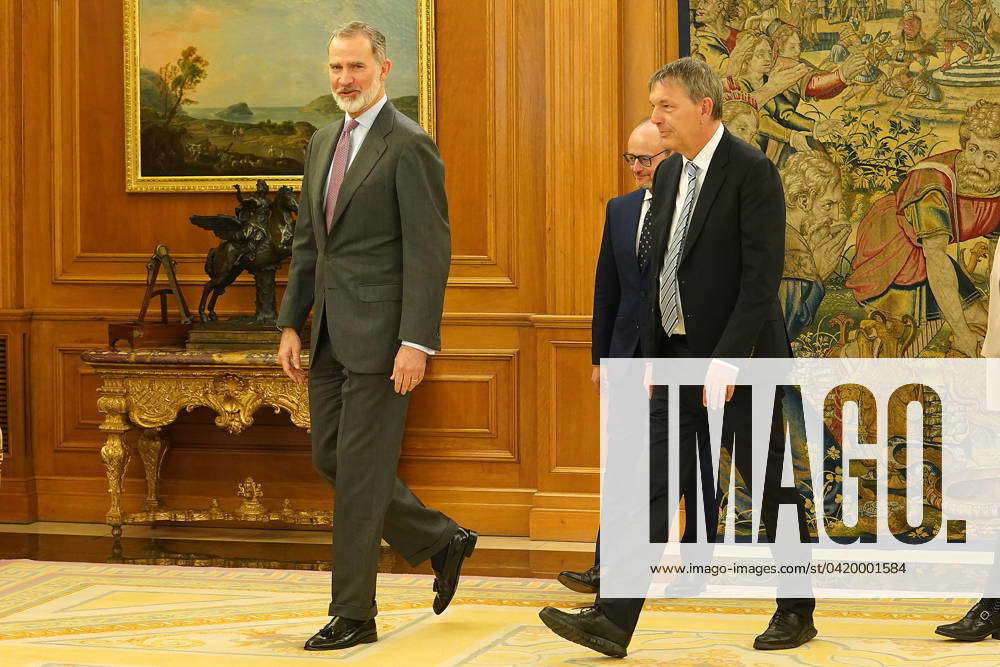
(645, 142)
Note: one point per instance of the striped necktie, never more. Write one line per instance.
(669, 295)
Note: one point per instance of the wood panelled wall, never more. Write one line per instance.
(534, 102)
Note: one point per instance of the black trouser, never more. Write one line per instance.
(993, 580)
(637, 353)
(693, 420)
(357, 430)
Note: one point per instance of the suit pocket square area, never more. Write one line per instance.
(372, 293)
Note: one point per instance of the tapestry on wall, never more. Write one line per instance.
(883, 118)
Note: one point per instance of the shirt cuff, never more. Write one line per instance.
(427, 350)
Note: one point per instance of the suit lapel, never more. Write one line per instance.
(320, 169)
(365, 160)
(714, 179)
(630, 228)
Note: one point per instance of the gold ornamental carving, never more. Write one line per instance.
(146, 391)
(157, 398)
(250, 510)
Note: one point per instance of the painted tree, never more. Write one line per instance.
(179, 79)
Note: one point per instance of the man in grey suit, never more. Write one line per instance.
(370, 258)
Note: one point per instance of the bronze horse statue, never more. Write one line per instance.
(257, 239)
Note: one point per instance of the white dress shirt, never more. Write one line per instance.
(365, 122)
(646, 201)
(702, 160)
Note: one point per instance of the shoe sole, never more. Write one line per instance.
(966, 638)
(576, 586)
(593, 642)
(778, 647)
(370, 638)
(469, 548)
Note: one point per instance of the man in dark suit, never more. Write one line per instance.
(623, 258)
(983, 619)
(370, 258)
(719, 245)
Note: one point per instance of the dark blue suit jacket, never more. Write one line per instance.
(618, 283)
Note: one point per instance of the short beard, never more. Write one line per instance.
(974, 179)
(365, 98)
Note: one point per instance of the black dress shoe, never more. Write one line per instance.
(979, 623)
(342, 633)
(462, 544)
(786, 630)
(588, 627)
(587, 581)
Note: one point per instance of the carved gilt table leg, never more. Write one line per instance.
(115, 454)
(152, 446)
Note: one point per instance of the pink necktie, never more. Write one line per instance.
(338, 169)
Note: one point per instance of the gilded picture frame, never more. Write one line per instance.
(184, 140)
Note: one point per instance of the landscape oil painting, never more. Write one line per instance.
(219, 92)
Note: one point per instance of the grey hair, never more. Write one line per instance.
(354, 28)
(697, 77)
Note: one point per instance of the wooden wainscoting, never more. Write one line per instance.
(534, 103)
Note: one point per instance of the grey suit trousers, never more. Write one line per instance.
(357, 429)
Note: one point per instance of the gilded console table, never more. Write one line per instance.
(145, 389)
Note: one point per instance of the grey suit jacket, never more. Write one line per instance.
(379, 275)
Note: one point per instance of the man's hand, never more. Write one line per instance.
(799, 141)
(780, 81)
(720, 381)
(409, 368)
(853, 66)
(595, 377)
(289, 351)
(827, 244)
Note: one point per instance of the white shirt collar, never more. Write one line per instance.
(367, 119)
(649, 195)
(704, 157)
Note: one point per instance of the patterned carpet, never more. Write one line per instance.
(56, 614)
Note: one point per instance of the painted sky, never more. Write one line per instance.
(269, 53)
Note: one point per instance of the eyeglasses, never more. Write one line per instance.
(644, 160)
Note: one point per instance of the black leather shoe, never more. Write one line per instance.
(342, 633)
(462, 544)
(588, 627)
(979, 623)
(587, 581)
(786, 630)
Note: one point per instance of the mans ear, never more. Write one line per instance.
(386, 68)
(803, 202)
(706, 108)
